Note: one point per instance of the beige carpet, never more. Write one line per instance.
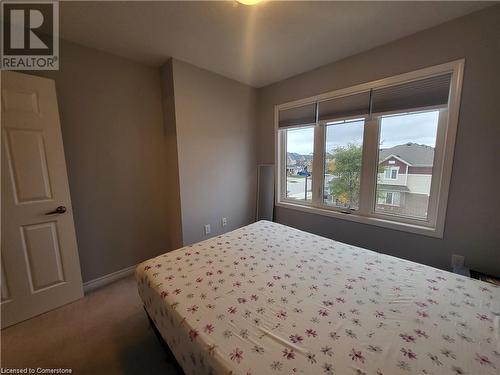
(106, 332)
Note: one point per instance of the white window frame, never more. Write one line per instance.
(390, 175)
(442, 166)
(282, 175)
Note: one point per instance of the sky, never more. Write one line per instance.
(395, 130)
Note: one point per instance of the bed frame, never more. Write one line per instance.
(170, 358)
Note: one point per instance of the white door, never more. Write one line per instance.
(39, 256)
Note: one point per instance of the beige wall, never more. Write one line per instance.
(473, 215)
(135, 137)
(215, 125)
(116, 153)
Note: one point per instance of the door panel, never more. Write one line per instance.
(5, 287)
(40, 265)
(43, 257)
(19, 101)
(28, 165)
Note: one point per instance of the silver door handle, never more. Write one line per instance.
(58, 210)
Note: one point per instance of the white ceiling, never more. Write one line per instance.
(256, 45)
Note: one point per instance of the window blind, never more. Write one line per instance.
(351, 105)
(425, 92)
(303, 115)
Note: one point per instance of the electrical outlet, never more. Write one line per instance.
(207, 229)
(457, 261)
(224, 221)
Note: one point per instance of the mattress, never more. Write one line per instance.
(269, 299)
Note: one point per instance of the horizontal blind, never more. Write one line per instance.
(351, 105)
(303, 115)
(415, 94)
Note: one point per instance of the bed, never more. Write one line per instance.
(270, 299)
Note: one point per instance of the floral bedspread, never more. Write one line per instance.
(269, 299)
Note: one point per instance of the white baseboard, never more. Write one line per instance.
(107, 279)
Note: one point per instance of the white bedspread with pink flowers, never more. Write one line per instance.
(269, 299)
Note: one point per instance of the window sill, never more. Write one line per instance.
(380, 222)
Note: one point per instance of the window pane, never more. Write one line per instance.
(406, 156)
(299, 160)
(343, 154)
(388, 198)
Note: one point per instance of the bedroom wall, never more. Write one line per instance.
(215, 126)
(473, 216)
(117, 158)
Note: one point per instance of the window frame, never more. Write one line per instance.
(366, 213)
(391, 169)
(322, 141)
(283, 175)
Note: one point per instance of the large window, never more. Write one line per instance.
(377, 153)
(343, 157)
(408, 140)
(299, 158)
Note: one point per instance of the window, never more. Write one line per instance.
(377, 153)
(343, 156)
(299, 157)
(388, 197)
(411, 138)
(391, 173)
(391, 198)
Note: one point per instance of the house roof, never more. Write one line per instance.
(413, 153)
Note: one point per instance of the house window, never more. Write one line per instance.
(391, 173)
(391, 198)
(388, 197)
(380, 152)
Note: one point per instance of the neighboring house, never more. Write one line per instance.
(404, 179)
(297, 163)
(291, 166)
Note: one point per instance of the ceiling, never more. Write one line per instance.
(256, 45)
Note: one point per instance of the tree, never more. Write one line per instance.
(344, 162)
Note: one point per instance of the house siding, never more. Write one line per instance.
(419, 183)
(401, 180)
(397, 163)
(420, 170)
(413, 205)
